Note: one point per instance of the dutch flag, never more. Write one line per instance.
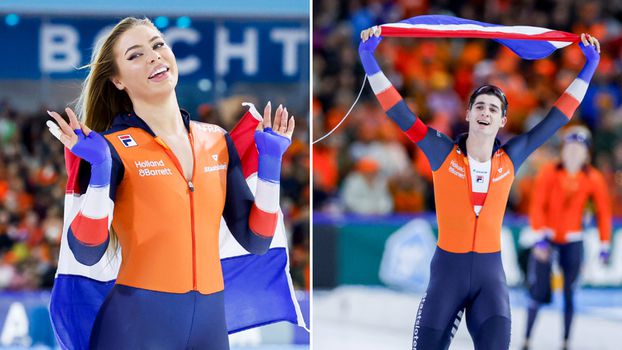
(526, 41)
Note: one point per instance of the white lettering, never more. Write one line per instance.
(59, 48)
(507, 172)
(246, 51)
(155, 172)
(453, 171)
(417, 321)
(191, 63)
(210, 128)
(455, 165)
(144, 165)
(15, 330)
(290, 38)
(148, 163)
(209, 169)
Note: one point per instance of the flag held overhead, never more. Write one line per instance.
(526, 41)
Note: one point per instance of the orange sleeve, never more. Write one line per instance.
(540, 197)
(603, 205)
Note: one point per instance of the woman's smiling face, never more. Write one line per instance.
(146, 65)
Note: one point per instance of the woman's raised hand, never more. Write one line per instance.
(62, 131)
(273, 139)
(78, 138)
(283, 124)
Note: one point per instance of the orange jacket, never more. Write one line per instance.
(190, 259)
(559, 200)
(167, 227)
(459, 229)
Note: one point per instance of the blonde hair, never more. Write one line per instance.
(100, 100)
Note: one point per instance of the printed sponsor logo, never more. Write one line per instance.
(479, 179)
(154, 172)
(500, 177)
(215, 157)
(209, 128)
(456, 169)
(454, 164)
(152, 168)
(500, 170)
(127, 141)
(417, 322)
(209, 169)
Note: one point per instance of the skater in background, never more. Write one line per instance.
(561, 194)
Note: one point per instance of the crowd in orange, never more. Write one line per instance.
(32, 191)
(436, 77)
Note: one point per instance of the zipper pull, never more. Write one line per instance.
(191, 186)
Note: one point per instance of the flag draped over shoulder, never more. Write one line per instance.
(526, 41)
(258, 289)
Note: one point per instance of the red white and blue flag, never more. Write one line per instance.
(258, 289)
(526, 41)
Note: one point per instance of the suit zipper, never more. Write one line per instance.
(194, 244)
(191, 189)
(470, 188)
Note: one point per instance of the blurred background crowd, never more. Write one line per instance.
(368, 167)
(32, 180)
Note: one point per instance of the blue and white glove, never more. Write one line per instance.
(272, 141)
(84, 143)
(271, 147)
(370, 39)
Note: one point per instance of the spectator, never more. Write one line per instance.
(365, 192)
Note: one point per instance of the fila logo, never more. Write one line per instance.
(127, 141)
(215, 157)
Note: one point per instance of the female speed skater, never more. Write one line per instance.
(560, 195)
(168, 181)
(472, 178)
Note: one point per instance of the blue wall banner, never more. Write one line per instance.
(236, 50)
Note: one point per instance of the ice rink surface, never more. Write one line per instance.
(364, 318)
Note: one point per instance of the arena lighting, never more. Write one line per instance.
(184, 22)
(11, 19)
(204, 85)
(161, 22)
